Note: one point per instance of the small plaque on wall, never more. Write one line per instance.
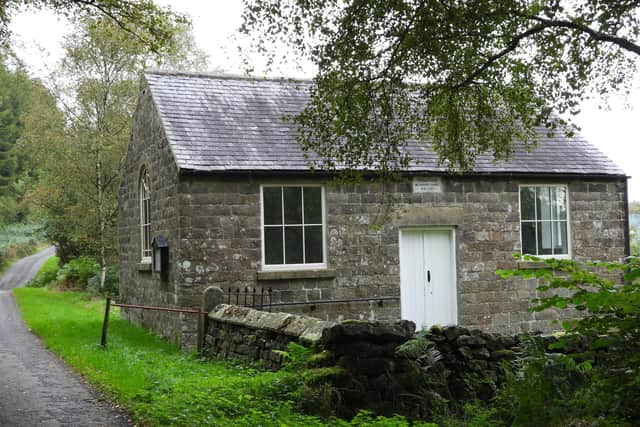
(427, 185)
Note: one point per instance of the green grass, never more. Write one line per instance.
(47, 273)
(156, 382)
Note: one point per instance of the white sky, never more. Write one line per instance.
(37, 38)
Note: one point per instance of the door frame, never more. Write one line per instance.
(454, 260)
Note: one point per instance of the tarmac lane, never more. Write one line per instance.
(36, 388)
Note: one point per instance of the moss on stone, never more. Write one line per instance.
(413, 348)
(319, 359)
(353, 321)
(331, 375)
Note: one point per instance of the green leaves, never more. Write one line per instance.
(152, 25)
(462, 78)
(603, 337)
(78, 143)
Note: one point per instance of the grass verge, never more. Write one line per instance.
(156, 382)
(47, 273)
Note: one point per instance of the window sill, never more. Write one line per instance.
(144, 266)
(296, 274)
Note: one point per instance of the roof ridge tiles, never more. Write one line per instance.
(226, 76)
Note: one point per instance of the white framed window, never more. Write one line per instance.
(145, 216)
(293, 227)
(544, 220)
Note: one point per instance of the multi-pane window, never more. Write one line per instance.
(145, 220)
(544, 220)
(293, 231)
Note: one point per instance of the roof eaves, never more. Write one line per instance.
(299, 172)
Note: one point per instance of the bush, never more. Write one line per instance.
(598, 375)
(77, 272)
(111, 282)
(17, 241)
(47, 273)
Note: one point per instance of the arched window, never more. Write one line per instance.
(145, 217)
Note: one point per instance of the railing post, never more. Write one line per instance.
(105, 323)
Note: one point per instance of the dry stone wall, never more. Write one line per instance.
(381, 366)
(468, 363)
(233, 332)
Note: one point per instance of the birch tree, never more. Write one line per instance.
(97, 88)
(150, 24)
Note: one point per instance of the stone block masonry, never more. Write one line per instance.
(233, 332)
(380, 366)
(363, 223)
(214, 237)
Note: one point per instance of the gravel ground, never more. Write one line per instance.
(36, 388)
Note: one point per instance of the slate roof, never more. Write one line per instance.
(224, 124)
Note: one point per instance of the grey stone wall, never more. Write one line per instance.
(380, 366)
(221, 243)
(213, 228)
(234, 332)
(148, 148)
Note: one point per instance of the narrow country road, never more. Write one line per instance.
(24, 270)
(36, 388)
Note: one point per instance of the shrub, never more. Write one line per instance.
(111, 282)
(47, 273)
(17, 241)
(77, 272)
(598, 374)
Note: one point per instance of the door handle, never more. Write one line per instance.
(428, 276)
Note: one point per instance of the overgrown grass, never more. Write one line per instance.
(155, 381)
(47, 273)
(17, 241)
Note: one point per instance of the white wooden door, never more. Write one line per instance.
(428, 277)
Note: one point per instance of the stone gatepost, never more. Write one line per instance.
(211, 297)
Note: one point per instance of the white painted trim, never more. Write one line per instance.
(285, 267)
(144, 171)
(454, 258)
(569, 253)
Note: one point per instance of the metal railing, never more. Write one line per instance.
(263, 299)
(109, 304)
(248, 297)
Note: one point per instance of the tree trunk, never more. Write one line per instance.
(99, 182)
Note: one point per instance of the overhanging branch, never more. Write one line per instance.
(544, 24)
(511, 46)
(625, 44)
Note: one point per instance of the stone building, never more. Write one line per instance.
(214, 171)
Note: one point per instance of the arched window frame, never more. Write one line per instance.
(145, 215)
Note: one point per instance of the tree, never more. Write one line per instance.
(80, 155)
(467, 76)
(16, 93)
(152, 25)
(13, 103)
